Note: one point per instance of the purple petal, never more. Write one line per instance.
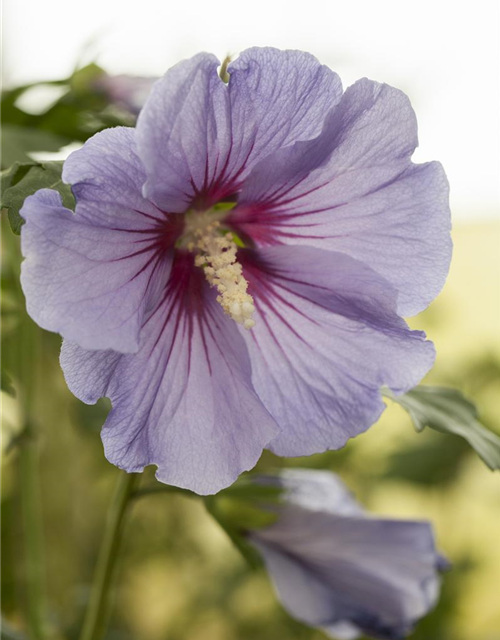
(277, 98)
(106, 176)
(372, 128)
(315, 490)
(198, 137)
(185, 401)
(371, 575)
(353, 189)
(326, 339)
(183, 132)
(337, 568)
(92, 284)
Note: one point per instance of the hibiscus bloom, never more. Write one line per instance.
(338, 568)
(235, 271)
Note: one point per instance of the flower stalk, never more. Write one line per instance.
(33, 539)
(97, 614)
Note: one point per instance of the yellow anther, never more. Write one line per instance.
(217, 257)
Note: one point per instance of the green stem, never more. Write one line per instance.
(29, 482)
(33, 539)
(97, 614)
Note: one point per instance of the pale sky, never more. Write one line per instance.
(443, 53)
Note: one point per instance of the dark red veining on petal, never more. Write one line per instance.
(222, 186)
(158, 241)
(187, 306)
(271, 220)
(262, 223)
(182, 304)
(164, 232)
(186, 283)
(268, 282)
(208, 196)
(156, 244)
(264, 284)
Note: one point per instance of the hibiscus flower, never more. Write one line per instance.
(234, 274)
(339, 568)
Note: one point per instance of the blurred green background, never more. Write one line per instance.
(180, 577)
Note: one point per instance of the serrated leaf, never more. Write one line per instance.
(14, 174)
(46, 175)
(448, 411)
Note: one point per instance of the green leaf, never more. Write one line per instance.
(431, 460)
(448, 411)
(18, 142)
(83, 79)
(15, 173)
(46, 175)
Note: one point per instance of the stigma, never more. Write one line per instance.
(216, 254)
